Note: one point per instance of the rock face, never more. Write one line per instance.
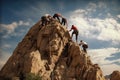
(115, 75)
(76, 65)
(49, 52)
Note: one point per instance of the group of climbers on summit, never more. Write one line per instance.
(47, 18)
(63, 21)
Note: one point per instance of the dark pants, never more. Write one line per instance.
(56, 16)
(64, 21)
(76, 33)
(85, 46)
(44, 20)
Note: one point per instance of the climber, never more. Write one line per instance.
(64, 21)
(84, 45)
(57, 15)
(46, 19)
(75, 31)
(49, 18)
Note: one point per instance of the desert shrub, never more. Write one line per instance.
(32, 76)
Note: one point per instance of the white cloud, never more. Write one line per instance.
(107, 29)
(99, 56)
(118, 16)
(11, 27)
(6, 46)
(91, 7)
(21, 23)
(108, 69)
(109, 34)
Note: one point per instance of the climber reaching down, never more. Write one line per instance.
(75, 31)
(57, 15)
(84, 45)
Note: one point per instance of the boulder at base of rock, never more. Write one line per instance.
(115, 75)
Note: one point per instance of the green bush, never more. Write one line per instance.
(32, 76)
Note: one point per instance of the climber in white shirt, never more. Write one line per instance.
(84, 45)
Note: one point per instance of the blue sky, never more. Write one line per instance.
(98, 22)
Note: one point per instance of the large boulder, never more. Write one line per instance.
(115, 75)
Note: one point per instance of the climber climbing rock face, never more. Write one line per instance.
(84, 45)
(44, 20)
(75, 31)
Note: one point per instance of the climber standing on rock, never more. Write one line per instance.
(75, 31)
(57, 15)
(45, 19)
(84, 45)
(64, 21)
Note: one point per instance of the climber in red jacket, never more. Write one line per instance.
(75, 31)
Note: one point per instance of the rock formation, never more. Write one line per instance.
(48, 51)
(115, 75)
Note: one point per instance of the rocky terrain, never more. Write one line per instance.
(49, 52)
(115, 75)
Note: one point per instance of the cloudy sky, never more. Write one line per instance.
(98, 22)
